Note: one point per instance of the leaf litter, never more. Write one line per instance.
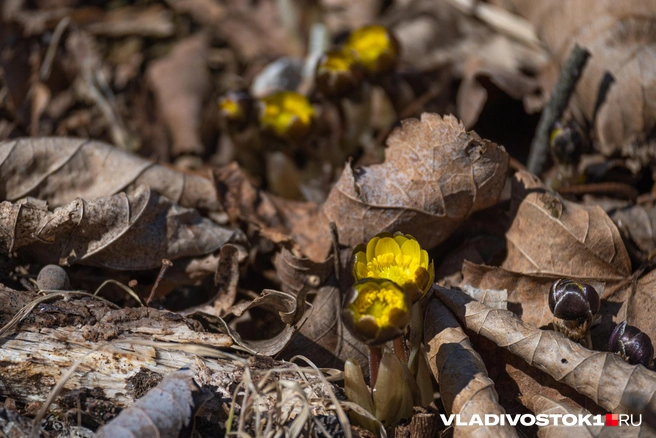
(264, 276)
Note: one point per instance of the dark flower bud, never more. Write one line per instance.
(567, 142)
(631, 344)
(338, 74)
(571, 301)
(573, 306)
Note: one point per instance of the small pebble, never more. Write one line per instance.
(53, 277)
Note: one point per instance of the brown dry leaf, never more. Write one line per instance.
(323, 337)
(122, 231)
(165, 411)
(603, 377)
(226, 278)
(289, 308)
(541, 404)
(181, 82)
(465, 387)
(294, 271)
(550, 235)
(434, 176)
(617, 91)
(59, 170)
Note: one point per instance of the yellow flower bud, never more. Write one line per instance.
(235, 107)
(338, 73)
(287, 115)
(398, 258)
(376, 311)
(375, 48)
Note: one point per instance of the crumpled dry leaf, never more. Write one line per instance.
(465, 387)
(294, 271)
(603, 377)
(164, 411)
(181, 82)
(616, 93)
(553, 236)
(122, 231)
(434, 176)
(62, 169)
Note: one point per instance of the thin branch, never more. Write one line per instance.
(570, 74)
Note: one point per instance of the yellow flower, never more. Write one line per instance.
(398, 258)
(287, 115)
(376, 311)
(375, 48)
(338, 73)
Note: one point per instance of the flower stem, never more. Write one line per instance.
(399, 349)
(375, 355)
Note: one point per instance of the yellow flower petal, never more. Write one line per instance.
(371, 248)
(411, 248)
(387, 245)
(400, 239)
(423, 259)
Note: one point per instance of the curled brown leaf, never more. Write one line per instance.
(465, 387)
(122, 231)
(61, 169)
(603, 377)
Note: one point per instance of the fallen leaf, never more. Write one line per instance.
(60, 169)
(181, 82)
(465, 387)
(324, 338)
(550, 235)
(603, 377)
(434, 176)
(122, 231)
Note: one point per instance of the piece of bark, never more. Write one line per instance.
(465, 386)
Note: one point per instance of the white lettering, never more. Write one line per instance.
(583, 420)
(513, 421)
(639, 416)
(445, 421)
(569, 420)
(460, 423)
(542, 420)
(476, 420)
(623, 419)
(555, 417)
(489, 418)
(527, 420)
(599, 420)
